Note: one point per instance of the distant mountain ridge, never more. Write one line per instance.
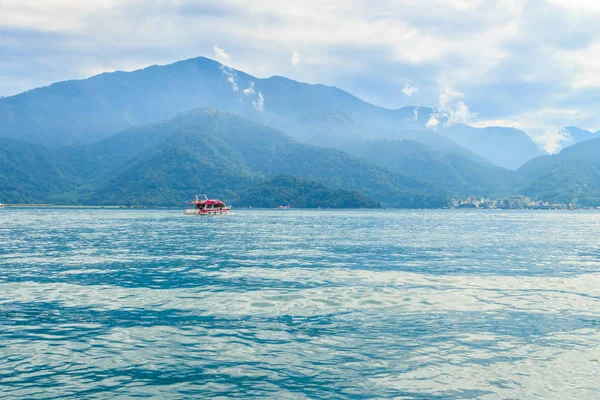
(507, 147)
(458, 174)
(89, 110)
(574, 135)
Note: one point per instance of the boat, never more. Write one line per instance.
(284, 207)
(207, 207)
(1, 205)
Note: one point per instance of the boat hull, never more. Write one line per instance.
(193, 211)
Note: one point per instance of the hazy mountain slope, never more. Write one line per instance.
(507, 147)
(459, 174)
(573, 134)
(84, 111)
(574, 172)
(214, 151)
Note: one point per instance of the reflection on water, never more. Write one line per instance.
(299, 304)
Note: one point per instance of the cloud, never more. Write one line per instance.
(506, 55)
(259, 103)
(295, 58)
(231, 77)
(409, 90)
(249, 90)
(220, 55)
(553, 142)
(450, 110)
(432, 122)
(545, 125)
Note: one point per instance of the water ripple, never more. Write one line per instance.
(299, 304)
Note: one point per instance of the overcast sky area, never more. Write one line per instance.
(532, 65)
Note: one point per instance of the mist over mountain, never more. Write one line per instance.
(457, 173)
(507, 147)
(85, 111)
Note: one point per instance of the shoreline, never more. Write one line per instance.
(77, 206)
(122, 207)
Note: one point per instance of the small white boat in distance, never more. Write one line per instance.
(1, 205)
(207, 207)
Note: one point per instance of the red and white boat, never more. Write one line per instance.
(207, 207)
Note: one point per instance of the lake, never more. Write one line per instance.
(299, 304)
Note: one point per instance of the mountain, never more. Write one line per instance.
(574, 134)
(574, 172)
(29, 171)
(457, 173)
(89, 110)
(221, 154)
(301, 193)
(507, 147)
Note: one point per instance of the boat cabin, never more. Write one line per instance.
(209, 205)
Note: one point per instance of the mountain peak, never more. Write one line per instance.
(575, 134)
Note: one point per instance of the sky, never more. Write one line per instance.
(528, 64)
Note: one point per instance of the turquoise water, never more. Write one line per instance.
(299, 304)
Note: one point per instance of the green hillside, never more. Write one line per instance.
(204, 150)
(574, 172)
(30, 172)
(220, 153)
(301, 193)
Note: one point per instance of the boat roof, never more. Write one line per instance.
(207, 201)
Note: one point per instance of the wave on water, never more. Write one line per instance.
(301, 304)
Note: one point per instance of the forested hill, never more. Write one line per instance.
(219, 152)
(284, 190)
(204, 150)
(572, 173)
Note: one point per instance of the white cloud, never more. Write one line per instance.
(250, 89)
(433, 122)
(231, 77)
(220, 55)
(583, 65)
(295, 58)
(553, 142)
(507, 48)
(416, 113)
(450, 110)
(587, 6)
(409, 90)
(544, 125)
(259, 103)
